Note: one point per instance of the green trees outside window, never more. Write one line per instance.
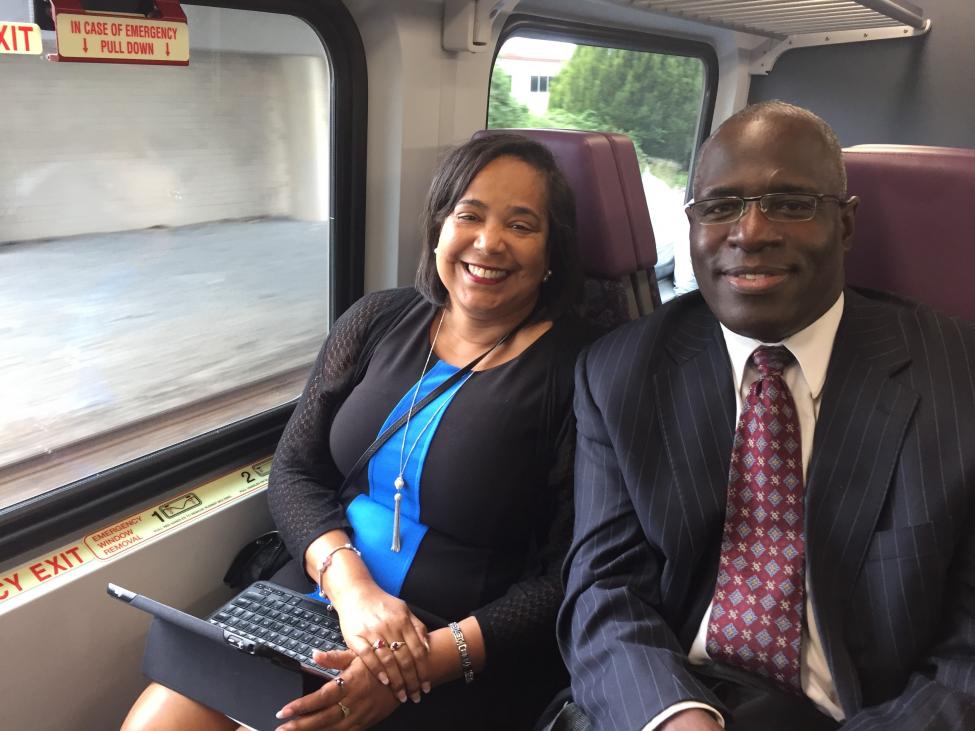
(653, 98)
(503, 109)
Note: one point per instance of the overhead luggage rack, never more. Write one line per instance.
(788, 24)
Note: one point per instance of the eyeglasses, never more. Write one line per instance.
(781, 207)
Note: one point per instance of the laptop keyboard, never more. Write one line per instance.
(284, 620)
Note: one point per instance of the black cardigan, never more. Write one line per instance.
(304, 479)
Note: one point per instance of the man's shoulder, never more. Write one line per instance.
(924, 351)
(647, 337)
(918, 325)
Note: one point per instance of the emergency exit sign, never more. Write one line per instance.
(121, 39)
(20, 38)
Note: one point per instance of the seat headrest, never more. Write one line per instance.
(912, 236)
(615, 235)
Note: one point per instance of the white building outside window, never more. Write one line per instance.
(532, 63)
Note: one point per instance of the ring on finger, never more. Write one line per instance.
(378, 644)
(340, 682)
(345, 709)
(395, 645)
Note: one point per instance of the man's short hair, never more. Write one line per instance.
(455, 175)
(778, 108)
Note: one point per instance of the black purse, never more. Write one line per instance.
(258, 560)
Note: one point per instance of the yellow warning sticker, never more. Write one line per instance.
(34, 573)
(113, 540)
(92, 37)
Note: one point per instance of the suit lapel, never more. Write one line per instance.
(859, 432)
(697, 412)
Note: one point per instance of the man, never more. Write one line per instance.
(784, 539)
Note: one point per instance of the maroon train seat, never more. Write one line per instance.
(913, 226)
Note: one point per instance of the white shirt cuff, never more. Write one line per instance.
(673, 710)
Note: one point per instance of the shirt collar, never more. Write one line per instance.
(811, 346)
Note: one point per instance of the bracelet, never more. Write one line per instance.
(327, 561)
(465, 659)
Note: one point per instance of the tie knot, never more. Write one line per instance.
(772, 361)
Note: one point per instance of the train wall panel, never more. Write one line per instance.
(917, 91)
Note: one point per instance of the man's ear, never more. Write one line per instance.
(847, 225)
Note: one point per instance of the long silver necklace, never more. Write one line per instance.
(400, 482)
(404, 457)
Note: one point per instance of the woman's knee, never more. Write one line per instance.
(161, 709)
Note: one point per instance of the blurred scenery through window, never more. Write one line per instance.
(164, 244)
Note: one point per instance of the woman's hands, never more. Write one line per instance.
(386, 637)
(365, 697)
(380, 628)
(355, 700)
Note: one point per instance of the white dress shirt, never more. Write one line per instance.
(812, 348)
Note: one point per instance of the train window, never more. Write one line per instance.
(656, 98)
(164, 244)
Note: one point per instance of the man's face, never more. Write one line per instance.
(766, 279)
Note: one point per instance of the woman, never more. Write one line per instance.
(464, 515)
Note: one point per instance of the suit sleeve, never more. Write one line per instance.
(940, 693)
(627, 664)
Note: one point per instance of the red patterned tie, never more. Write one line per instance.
(756, 617)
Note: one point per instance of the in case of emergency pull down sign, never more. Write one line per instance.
(161, 38)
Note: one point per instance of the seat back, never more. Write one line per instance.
(911, 236)
(615, 235)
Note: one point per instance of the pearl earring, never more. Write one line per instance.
(548, 275)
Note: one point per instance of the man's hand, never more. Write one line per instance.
(693, 719)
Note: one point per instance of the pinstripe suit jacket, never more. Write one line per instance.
(890, 492)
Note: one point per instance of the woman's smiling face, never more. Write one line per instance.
(492, 250)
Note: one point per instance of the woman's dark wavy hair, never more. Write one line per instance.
(455, 175)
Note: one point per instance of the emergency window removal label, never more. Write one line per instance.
(20, 38)
(113, 540)
(137, 529)
(121, 39)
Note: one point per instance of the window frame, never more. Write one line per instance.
(550, 29)
(63, 510)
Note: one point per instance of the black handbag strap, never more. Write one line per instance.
(395, 426)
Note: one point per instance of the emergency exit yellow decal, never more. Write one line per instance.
(132, 531)
(20, 38)
(113, 540)
(118, 39)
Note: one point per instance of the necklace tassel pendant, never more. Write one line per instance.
(397, 500)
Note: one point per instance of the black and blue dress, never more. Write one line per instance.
(486, 516)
